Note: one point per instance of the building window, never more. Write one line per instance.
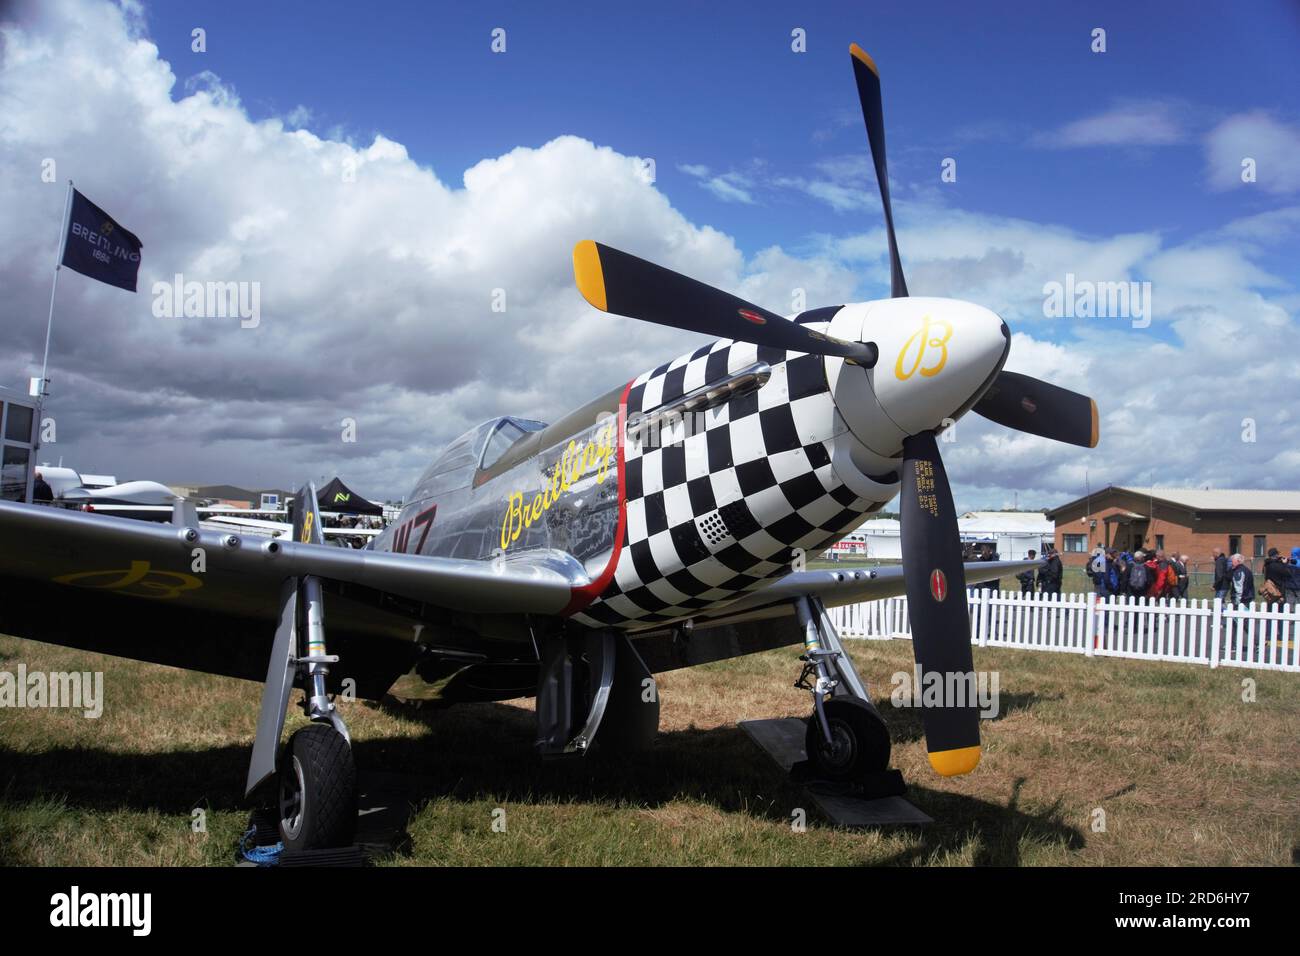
(1261, 542)
(1234, 543)
(18, 426)
(1160, 542)
(1075, 542)
(19, 446)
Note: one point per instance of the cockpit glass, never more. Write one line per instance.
(504, 438)
(485, 444)
(459, 453)
(507, 434)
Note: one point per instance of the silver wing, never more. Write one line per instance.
(209, 600)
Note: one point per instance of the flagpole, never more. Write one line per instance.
(58, 264)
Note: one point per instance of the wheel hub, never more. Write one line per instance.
(292, 788)
(839, 752)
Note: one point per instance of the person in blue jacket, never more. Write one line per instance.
(1293, 589)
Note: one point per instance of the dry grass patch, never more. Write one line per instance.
(1185, 772)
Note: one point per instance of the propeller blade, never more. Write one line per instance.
(616, 282)
(1031, 405)
(864, 71)
(936, 602)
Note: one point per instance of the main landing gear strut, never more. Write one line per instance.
(847, 740)
(317, 786)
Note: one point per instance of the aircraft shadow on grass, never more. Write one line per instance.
(483, 752)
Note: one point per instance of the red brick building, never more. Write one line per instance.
(1188, 521)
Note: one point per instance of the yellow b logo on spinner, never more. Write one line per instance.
(925, 339)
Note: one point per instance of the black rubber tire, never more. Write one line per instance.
(319, 758)
(862, 741)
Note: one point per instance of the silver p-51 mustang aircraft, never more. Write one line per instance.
(660, 526)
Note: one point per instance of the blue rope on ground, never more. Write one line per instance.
(261, 855)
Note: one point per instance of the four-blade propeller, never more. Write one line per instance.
(620, 283)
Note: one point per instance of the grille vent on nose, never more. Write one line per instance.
(713, 529)
(739, 519)
(731, 522)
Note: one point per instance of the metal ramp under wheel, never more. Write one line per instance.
(843, 804)
(384, 803)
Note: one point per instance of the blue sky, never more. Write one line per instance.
(717, 85)
(478, 171)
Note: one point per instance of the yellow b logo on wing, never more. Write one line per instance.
(140, 580)
(933, 334)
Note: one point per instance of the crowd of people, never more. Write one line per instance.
(1048, 576)
(1150, 574)
(1155, 574)
(373, 522)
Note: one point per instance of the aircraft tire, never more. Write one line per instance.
(318, 790)
(861, 741)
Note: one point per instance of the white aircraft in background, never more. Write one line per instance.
(232, 518)
(103, 492)
(154, 501)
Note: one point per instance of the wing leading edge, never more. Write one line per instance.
(191, 566)
(852, 586)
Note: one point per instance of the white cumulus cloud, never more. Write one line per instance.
(1136, 123)
(1272, 144)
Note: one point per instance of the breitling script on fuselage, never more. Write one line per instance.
(591, 458)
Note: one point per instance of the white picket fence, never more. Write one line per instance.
(1195, 631)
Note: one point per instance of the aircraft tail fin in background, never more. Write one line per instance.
(307, 527)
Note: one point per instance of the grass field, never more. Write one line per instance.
(1185, 772)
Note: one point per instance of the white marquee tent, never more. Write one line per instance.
(1015, 532)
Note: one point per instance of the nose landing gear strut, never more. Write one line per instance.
(847, 740)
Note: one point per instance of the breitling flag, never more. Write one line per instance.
(96, 246)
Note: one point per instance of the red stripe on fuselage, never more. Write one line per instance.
(584, 595)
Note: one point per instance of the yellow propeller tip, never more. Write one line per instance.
(1096, 425)
(860, 54)
(588, 275)
(952, 763)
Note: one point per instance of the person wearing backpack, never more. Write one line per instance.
(1097, 572)
(1293, 589)
(1137, 576)
(1171, 578)
(1277, 578)
(1167, 571)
